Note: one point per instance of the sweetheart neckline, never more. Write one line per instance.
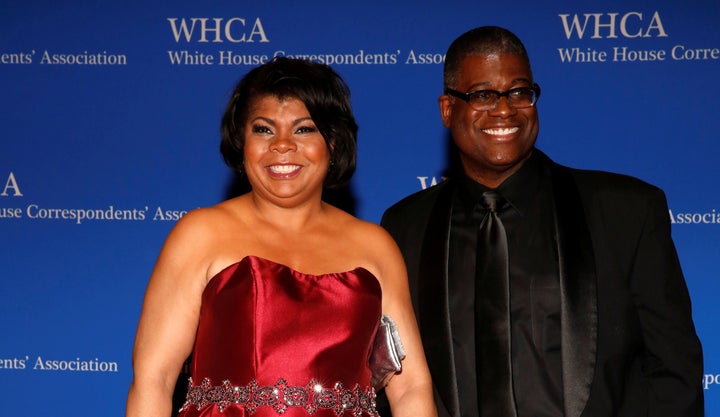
(247, 258)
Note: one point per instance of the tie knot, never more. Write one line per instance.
(491, 200)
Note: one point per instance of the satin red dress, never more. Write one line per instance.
(274, 341)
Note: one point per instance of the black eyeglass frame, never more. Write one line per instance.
(466, 96)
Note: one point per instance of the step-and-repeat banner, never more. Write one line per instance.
(109, 132)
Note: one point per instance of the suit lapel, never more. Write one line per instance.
(578, 292)
(434, 310)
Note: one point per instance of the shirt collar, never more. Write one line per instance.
(519, 189)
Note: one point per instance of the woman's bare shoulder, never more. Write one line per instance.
(206, 239)
(207, 219)
(372, 234)
(373, 245)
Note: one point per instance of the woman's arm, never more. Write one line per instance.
(410, 391)
(168, 321)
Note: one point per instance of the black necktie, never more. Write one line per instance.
(492, 314)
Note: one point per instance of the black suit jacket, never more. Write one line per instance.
(629, 347)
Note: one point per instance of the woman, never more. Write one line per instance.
(276, 293)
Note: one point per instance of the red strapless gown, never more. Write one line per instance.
(274, 341)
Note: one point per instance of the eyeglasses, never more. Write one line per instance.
(484, 100)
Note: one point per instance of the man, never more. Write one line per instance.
(577, 305)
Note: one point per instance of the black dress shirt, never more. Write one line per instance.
(534, 290)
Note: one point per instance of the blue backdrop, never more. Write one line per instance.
(109, 121)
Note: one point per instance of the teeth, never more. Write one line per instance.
(501, 131)
(283, 169)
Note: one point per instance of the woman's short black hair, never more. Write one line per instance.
(326, 97)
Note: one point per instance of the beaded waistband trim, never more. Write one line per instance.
(280, 396)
